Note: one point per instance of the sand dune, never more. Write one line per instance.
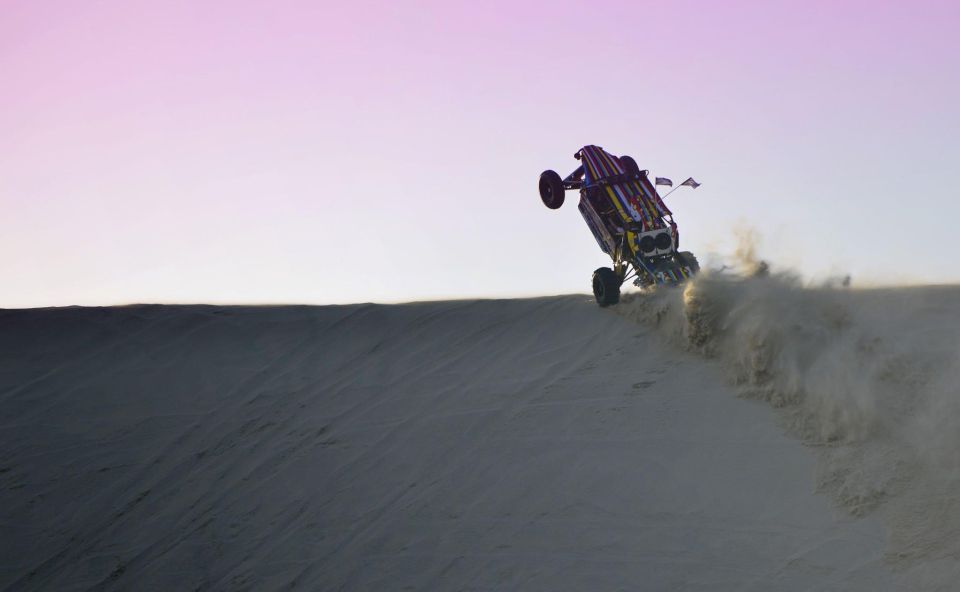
(539, 444)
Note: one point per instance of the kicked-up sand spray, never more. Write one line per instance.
(869, 378)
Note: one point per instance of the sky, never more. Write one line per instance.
(319, 152)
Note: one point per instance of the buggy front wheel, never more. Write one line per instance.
(551, 189)
(606, 286)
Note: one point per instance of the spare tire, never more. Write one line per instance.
(551, 189)
(630, 165)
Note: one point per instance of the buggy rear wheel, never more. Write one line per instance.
(606, 286)
(689, 259)
(630, 165)
(551, 189)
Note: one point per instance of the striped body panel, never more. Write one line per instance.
(635, 199)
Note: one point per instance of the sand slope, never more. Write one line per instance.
(539, 444)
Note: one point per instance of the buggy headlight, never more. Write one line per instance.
(663, 241)
(647, 244)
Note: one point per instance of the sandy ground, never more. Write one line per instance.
(539, 444)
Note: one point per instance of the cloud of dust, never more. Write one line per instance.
(870, 378)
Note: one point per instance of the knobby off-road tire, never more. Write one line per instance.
(551, 189)
(689, 259)
(630, 165)
(606, 286)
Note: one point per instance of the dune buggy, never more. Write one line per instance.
(627, 217)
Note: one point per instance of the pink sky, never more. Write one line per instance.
(335, 152)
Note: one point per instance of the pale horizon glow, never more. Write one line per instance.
(319, 152)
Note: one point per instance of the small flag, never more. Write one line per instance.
(690, 183)
(664, 181)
